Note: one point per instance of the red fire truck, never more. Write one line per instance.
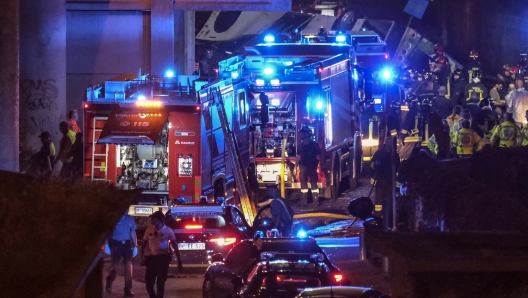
(160, 135)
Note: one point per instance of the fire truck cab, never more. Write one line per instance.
(293, 85)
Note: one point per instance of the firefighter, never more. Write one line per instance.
(456, 88)
(442, 65)
(382, 165)
(472, 66)
(506, 134)
(484, 121)
(428, 92)
(432, 144)
(264, 110)
(393, 119)
(476, 86)
(472, 104)
(467, 140)
(307, 161)
(411, 122)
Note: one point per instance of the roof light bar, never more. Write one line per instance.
(148, 104)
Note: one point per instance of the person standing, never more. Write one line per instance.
(524, 133)
(441, 105)
(476, 86)
(519, 103)
(505, 134)
(472, 66)
(467, 141)
(42, 160)
(73, 116)
(65, 149)
(381, 163)
(281, 211)
(457, 87)
(308, 159)
(158, 239)
(122, 244)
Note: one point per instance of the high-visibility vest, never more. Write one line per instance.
(524, 135)
(507, 133)
(466, 141)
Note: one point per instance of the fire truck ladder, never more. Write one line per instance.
(248, 207)
(94, 140)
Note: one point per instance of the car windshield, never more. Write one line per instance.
(185, 221)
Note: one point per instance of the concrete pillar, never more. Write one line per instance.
(9, 76)
(42, 72)
(189, 37)
(162, 37)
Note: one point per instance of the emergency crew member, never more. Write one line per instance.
(65, 146)
(440, 104)
(524, 133)
(41, 161)
(122, 244)
(381, 163)
(472, 103)
(506, 134)
(412, 120)
(157, 258)
(394, 119)
(484, 121)
(308, 158)
(281, 211)
(73, 116)
(476, 86)
(473, 66)
(467, 140)
(457, 85)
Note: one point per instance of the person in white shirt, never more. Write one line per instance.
(518, 103)
(156, 255)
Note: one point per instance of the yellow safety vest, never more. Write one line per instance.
(507, 134)
(524, 135)
(466, 140)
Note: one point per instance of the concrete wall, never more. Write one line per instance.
(42, 71)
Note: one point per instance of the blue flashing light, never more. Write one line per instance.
(234, 75)
(269, 38)
(319, 105)
(141, 97)
(268, 71)
(341, 39)
(386, 74)
(302, 234)
(169, 73)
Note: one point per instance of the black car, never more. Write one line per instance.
(241, 259)
(284, 276)
(203, 230)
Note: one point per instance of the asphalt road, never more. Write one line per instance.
(343, 252)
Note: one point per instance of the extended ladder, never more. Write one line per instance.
(102, 168)
(248, 207)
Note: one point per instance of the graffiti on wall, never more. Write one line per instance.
(39, 95)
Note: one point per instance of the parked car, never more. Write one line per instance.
(341, 292)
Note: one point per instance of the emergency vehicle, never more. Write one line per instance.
(158, 134)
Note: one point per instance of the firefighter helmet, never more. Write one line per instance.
(514, 70)
(477, 74)
(473, 55)
(506, 67)
(458, 72)
(305, 130)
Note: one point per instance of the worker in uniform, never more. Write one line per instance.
(472, 66)
(426, 110)
(476, 86)
(484, 120)
(506, 134)
(308, 159)
(411, 123)
(381, 163)
(122, 244)
(524, 133)
(467, 140)
(41, 161)
(442, 69)
(456, 88)
(441, 151)
(472, 103)
(281, 211)
(394, 119)
(428, 92)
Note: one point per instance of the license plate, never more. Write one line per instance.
(191, 246)
(143, 210)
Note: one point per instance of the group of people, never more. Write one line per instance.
(70, 152)
(472, 117)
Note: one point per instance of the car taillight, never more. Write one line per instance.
(223, 241)
(338, 277)
(193, 227)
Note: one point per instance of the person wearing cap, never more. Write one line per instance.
(281, 211)
(306, 163)
(440, 104)
(73, 116)
(122, 244)
(41, 161)
(155, 254)
(65, 149)
(457, 85)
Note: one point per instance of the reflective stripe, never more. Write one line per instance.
(304, 190)
(377, 208)
(315, 190)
